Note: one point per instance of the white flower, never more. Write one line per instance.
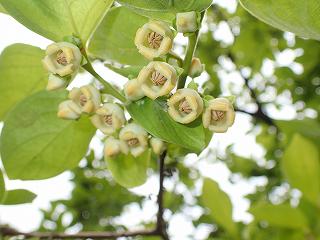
(219, 115)
(154, 39)
(87, 98)
(185, 105)
(135, 137)
(62, 58)
(157, 79)
(158, 146)
(196, 68)
(109, 118)
(55, 82)
(69, 110)
(133, 91)
(187, 22)
(113, 147)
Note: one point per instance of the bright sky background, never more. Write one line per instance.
(27, 217)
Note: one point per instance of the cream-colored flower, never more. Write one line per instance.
(135, 137)
(133, 91)
(87, 98)
(219, 115)
(154, 39)
(158, 146)
(109, 118)
(187, 22)
(113, 147)
(157, 79)
(62, 58)
(69, 110)
(185, 105)
(196, 68)
(55, 82)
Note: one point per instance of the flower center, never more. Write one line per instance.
(83, 100)
(157, 78)
(108, 119)
(217, 115)
(61, 58)
(154, 40)
(185, 107)
(133, 142)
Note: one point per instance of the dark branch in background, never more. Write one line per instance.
(160, 230)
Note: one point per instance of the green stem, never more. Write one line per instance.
(175, 56)
(108, 88)
(193, 39)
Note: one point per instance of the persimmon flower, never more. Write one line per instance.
(135, 137)
(55, 82)
(219, 115)
(86, 97)
(133, 91)
(185, 105)
(62, 58)
(113, 147)
(186, 22)
(154, 39)
(196, 68)
(158, 146)
(109, 118)
(157, 79)
(69, 110)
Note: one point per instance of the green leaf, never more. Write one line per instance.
(114, 38)
(300, 165)
(19, 196)
(219, 205)
(36, 144)
(279, 215)
(2, 10)
(55, 19)
(2, 186)
(21, 74)
(165, 9)
(128, 72)
(299, 17)
(153, 116)
(129, 171)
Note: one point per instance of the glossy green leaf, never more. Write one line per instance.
(129, 171)
(128, 72)
(114, 38)
(279, 215)
(2, 186)
(18, 196)
(220, 206)
(55, 19)
(21, 74)
(300, 165)
(165, 9)
(299, 17)
(36, 144)
(153, 116)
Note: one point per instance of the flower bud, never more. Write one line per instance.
(62, 58)
(187, 22)
(55, 82)
(185, 105)
(135, 137)
(87, 98)
(158, 146)
(219, 115)
(132, 90)
(154, 39)
(196, 68)
(108, 118)
(157, 79)
(113, 147)
(69, 110)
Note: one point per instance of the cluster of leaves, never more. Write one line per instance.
(291, 158)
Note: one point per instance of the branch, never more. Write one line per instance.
(160, 229)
